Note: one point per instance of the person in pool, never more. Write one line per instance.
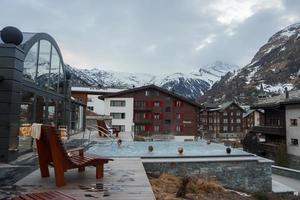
(119, 142)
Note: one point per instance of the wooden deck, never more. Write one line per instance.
(123, 179)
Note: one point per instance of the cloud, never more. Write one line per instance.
(164, 36)
(205, 42)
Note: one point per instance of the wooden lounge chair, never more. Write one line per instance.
(52, 152)
(103, 129)
(52, 195)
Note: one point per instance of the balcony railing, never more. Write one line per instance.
(271, 147)
(143, 121)
(142, 108)
(271, 130)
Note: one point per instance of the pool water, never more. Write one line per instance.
(162, 149)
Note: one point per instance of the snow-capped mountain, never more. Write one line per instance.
(275, 66)
(191, 85)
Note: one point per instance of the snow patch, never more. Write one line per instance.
(278, 88)
(283, 49)
(251, 74)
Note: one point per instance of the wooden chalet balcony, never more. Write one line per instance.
(271, 130)
(138, 108)
(270, 147)
(143, 121)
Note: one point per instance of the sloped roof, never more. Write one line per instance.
(294, 98)
(210, 105)
(154, 87)
(251, 111)
(95, 90)
(225, 105)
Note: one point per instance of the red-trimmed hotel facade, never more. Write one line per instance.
(154, 110)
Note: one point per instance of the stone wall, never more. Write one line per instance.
(247, 176)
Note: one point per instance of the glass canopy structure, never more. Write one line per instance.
(42, 93)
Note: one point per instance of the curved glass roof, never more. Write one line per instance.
(26, 37)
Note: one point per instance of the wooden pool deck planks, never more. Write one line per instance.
(124, 179)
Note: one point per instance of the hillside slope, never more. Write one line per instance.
(276, 66)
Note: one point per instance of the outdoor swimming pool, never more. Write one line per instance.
(163, 149)
(238, 170)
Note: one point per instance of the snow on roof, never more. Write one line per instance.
(96, 89)
(294, 96)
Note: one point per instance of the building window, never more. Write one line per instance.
(178, 128)
(156, 93)
(294, 142)
(275, 122)
(238, 120)
(225, 113)
(168, 109)
(178, 103)
(232, 120)
(238, 113)
(140, 128)
(225, 120)
(167, 121)
(238, 128)
(156, 104)
(119, 127)
(178, 116)
(231, 113)
(140, 104)
(156, 128)
(294, 122)
(147, 93)
(156, 116)
(225, 128)
(91, 108)
(117, 103)
(118, 115)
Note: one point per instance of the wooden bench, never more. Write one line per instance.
(52, 195)
(52, 152)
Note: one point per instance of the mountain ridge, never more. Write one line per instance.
(191, 85)
(275, 66)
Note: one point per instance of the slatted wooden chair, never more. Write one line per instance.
(103, 129)
(52, 152)
(52, 195)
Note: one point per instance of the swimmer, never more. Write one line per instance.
(150, 148)
(119, 142)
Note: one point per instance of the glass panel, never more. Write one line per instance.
(54, 71)
(61, 79)
(44, 64)
(26, 107)
(26, 118)
(52, 112)
(30, 63)
(59, 113)
(41, 110)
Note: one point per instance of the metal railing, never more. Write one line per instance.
(102, 130)
(273, 130)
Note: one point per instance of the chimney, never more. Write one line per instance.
(286, 93)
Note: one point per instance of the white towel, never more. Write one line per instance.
(36, 130)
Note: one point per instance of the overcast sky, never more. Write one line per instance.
(157, 36)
